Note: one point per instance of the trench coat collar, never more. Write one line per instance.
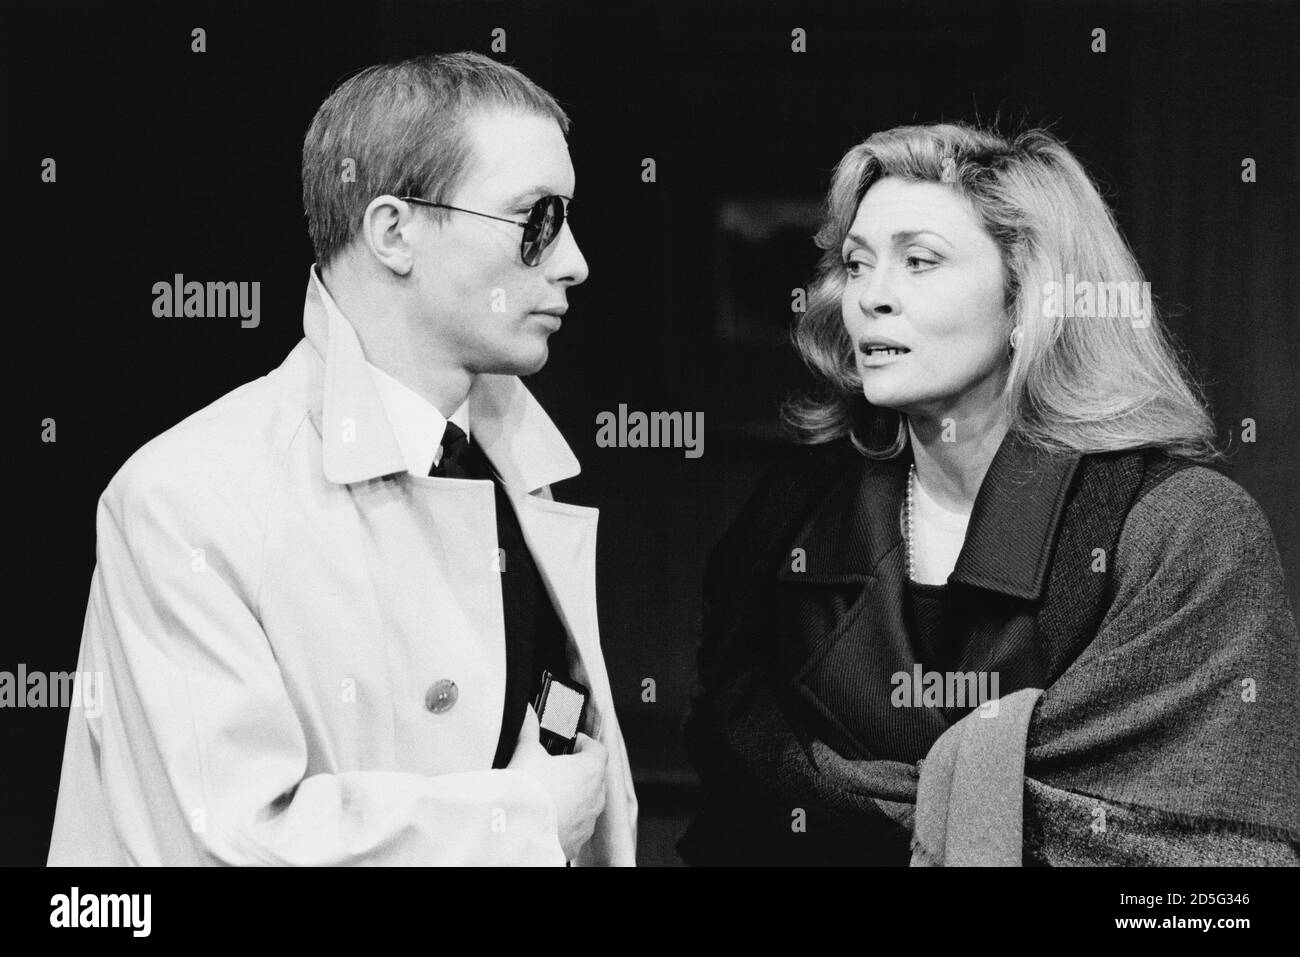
(1013, 526)
(515, 433)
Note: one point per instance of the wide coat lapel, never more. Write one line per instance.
(844, 602)
(528, 454)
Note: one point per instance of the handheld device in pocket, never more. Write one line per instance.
(561, 708)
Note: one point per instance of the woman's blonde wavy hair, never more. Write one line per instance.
(1073, 384)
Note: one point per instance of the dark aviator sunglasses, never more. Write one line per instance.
(545, 220)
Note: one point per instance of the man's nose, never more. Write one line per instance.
(566, 264)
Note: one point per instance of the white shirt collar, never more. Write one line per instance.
(417, 424)
(359, 443)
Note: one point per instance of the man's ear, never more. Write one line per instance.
(388, 231)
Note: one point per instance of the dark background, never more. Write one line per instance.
(170, 161)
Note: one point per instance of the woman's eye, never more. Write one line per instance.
(854, 267)
(920, 263)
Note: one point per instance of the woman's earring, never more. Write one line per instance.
(1015, 338)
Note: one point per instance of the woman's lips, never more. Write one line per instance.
(880, 357)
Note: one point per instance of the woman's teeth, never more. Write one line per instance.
(885, 350)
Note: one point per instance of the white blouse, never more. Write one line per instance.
(938, 537)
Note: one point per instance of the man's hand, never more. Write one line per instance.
(576, 781)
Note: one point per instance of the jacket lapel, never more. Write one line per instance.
(515, 433)
(849, 610)
(1015, 521)
(357, 440)
(562, 539)
(846, 602)
(998, 583)
(529, 454)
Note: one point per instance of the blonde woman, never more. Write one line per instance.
(995, 608)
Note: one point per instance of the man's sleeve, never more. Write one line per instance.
(196, 755)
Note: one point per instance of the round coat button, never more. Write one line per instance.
(441, 696)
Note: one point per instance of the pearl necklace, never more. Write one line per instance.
(907, 503)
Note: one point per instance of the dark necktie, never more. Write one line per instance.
(535, 637)
(455, 454)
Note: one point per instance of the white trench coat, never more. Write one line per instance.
(273, 599)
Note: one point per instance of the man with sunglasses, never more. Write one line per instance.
(323, 604)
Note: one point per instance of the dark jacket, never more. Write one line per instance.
(804, 613)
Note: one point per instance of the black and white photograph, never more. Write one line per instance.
(757, 435)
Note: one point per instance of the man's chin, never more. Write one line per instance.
(521, 364)
(535, 366)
